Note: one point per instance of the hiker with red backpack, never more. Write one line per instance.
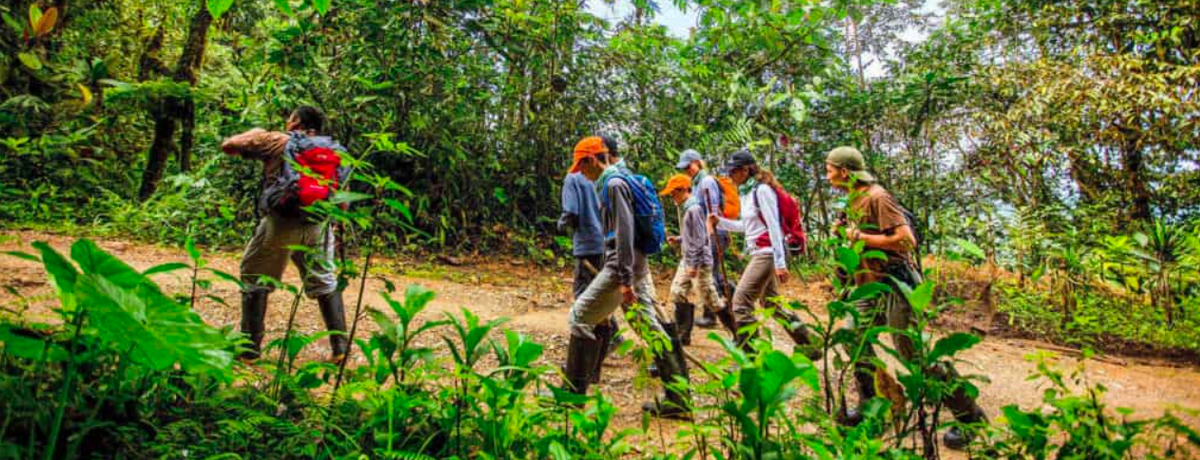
(300, 167)
(882, 224)
(770, 220)
(632, 222)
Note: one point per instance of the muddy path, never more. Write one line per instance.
(536, 300)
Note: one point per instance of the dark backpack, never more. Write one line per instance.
(789, 222)
(917, 232)
(312, 170)
(649, 228)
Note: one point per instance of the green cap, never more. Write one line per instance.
(851, 159)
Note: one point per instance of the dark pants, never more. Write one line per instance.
(583, 275)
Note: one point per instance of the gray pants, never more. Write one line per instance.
(603, 296)
(269, 251)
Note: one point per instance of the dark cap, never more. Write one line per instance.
(739, 159)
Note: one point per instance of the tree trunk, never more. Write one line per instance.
(174, 110)
(1134, 164)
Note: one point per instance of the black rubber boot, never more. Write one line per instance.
(707, 320)
(676, 403)
(685, 316)
(864, 381)
(606, 333)
(725, 315)
(803, 341)
(583, 354)
(673, 334)
(254, 309)
(957, 437)
(334, 314)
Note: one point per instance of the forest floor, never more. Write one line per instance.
(536, 301)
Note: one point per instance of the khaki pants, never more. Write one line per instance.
(702, 284)
(603, 296)
(757, 286)
(268, 253)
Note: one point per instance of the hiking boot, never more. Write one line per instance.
(334, 314)
(850, 417)
(956, 438)
(803, 341)
(673, 335)
(606, 333)
(254, 309)
(707, 320)
(677, 402)
(685, 315)
(959, 437)
(583, 357)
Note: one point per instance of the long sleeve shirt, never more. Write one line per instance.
(708, 192)
(756, 222)
(620, 253)
(697, 246)
(581, 215)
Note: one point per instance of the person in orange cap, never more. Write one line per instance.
(696, 265)
(624, 282)
(581, 219)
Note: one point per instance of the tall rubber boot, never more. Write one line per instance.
(583, 354)
(334, 314)
(676, 403)
(864, 382)
(254, 309)
(672, 331)
(800, 336)
(605, 332)
(707, 320)
(685, 316)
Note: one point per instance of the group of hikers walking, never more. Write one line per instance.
(616, 220)
(608, 207)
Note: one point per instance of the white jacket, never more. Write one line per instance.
(753, 227)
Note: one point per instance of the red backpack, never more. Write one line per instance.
(317, 173)
(789, 222)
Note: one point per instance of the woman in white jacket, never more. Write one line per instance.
(766, 248)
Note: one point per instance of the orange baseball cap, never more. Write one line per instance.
(676, 182)
(587, 147)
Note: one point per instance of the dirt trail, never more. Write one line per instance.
(536, 302)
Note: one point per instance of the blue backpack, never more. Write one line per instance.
(649, 229)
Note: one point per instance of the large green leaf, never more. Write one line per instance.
(847, 259)
(218, 7)
(954, 343)
(322, 6)
(93, 260)
(159, 331)
(61, 272)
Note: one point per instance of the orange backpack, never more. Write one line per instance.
(732, 206)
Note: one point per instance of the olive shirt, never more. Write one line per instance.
(879, 214)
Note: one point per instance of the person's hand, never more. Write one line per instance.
(782, 274)
(627, 296)
(712, 221)
(673, 240)
(693, 272)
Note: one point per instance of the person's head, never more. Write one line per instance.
(690, 163)
(591, 157)
(611, 144)
(741, 167)
(306, 118)
(844, 164)
(679, 187)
